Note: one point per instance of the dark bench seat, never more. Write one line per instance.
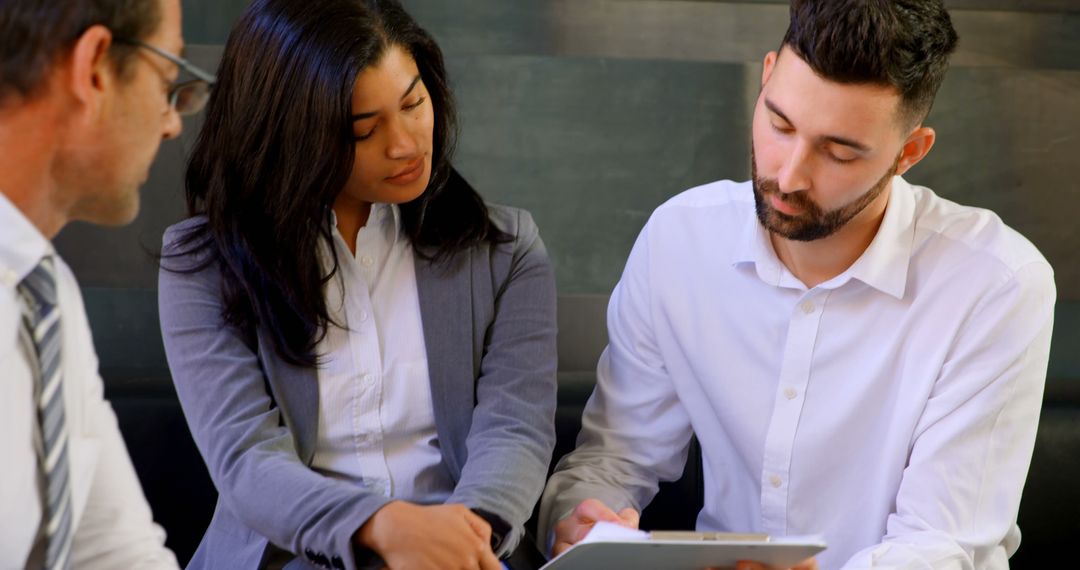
(180, 492)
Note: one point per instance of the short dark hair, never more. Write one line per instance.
(904, 44)
(36, 33)
(277, 147)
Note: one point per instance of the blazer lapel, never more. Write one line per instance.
(296, 392)
(445, 292)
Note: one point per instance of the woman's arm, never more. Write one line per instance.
(513, 432)
(250, 454)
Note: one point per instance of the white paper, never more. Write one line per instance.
(611, 532)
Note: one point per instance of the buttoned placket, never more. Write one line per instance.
(795, 367)
(8, 277)
(366, 353)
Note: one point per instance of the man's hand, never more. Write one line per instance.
(434, 537)
(808, 564)
(573, 528)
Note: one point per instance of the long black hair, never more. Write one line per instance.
(277, 147)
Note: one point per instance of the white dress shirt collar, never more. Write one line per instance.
(883, 266)
(386, 217)
(111, 519)
(22, 246)
(901, 431)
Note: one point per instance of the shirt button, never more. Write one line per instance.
(775, 480)
(363, 316)
(366, 261)
(807, 307)
(790, 393)
(368, 379)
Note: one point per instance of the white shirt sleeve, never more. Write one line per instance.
(635, 432)
(116, 528)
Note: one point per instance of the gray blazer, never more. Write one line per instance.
(489, 326)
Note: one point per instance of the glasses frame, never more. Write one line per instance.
(201, 76)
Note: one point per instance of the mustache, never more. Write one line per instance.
(770, 187)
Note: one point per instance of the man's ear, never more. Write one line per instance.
(767, 66)
(91, 72)
(917, 145)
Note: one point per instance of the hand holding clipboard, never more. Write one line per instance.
(594, 536)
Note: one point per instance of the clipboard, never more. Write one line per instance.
(686, 551)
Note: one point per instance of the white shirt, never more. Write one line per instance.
(113, 526)
(376, 416)
(891, 409)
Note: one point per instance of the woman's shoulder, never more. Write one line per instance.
(520, 244)
(183, 246)
(179, 231)
(514, 222)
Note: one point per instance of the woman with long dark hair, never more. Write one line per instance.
(364, 350)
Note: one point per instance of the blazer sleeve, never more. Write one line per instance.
(513, 425)
(250, 454)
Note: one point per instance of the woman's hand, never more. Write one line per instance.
(437, 537)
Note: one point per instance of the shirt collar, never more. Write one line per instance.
(883, 266)
(755, 247)
(390, 216)
(384, 217)
(745, 249)
(22, 246)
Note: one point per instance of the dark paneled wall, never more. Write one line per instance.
(590, 113)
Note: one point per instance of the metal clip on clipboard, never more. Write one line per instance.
(687, 535)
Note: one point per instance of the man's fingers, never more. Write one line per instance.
(808, 564)
(568, 532)
(629, 517)
(579, 532)
(592, 510)
(573, 528)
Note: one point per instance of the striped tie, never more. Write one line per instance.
(41, 317)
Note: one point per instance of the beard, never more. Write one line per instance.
(812, 222)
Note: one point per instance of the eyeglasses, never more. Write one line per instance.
(187, 97)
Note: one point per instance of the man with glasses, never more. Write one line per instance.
(88, 90)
